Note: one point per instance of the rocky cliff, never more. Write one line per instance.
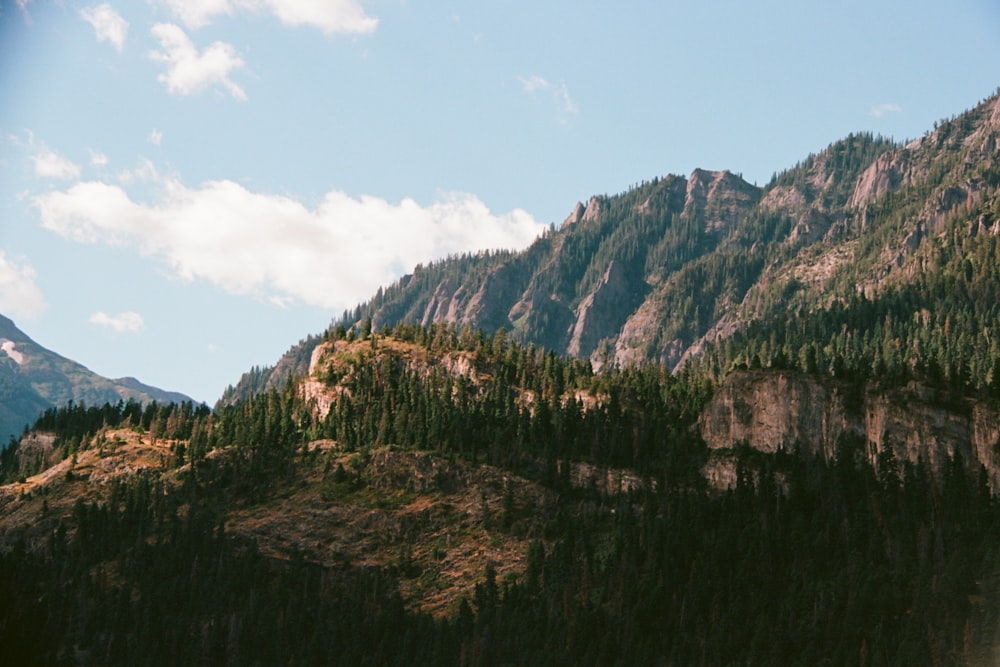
(772, 410)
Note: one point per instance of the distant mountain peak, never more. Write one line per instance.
(33, 379)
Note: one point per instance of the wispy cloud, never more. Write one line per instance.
(19, 295)
(880, 110)
(23, 6)
(127, 322)
(275, 248)
(329, 16)
(50, 164)
(144, 172)
(108, 24)
(156, 137)
(189, 71)
(558, 93)
(533, 83)
(98, 159)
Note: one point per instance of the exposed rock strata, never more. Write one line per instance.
(772, 410)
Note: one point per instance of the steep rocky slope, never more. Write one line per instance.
(667, 270)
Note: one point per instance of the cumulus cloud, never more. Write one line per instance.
(330, 16)
(19, 295)
(190, 71)
(880, 110)
(127, 322)
(108, 24)
(557, 92)
(98, 159)
(50, 164)
(273, 247)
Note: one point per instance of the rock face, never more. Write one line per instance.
(489, 306)
(604, 310)
(778, 410)
(720, 196)
(772, 410)
(576, 215)
(593, 210)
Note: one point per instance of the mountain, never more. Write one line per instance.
(33, 379)
(676, 265)
(703, 422)
(711, 268)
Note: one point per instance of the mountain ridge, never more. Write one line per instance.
(684, 264)
(34, 378)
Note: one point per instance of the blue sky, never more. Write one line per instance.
(187, 188)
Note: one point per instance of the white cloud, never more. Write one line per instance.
(880, 110)
(156, 137)
(189, 71)
(145, 172)
(559, 94)
(98, 159)
(533, 83)
(273, 247)
(19, 295)
(50, 164)
(108, 24)
(330, 16)
(197, 13)
(128, 321)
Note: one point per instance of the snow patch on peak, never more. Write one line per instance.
(8, 347)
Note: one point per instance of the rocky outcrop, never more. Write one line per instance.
(785, 198)
(632, 345)
(778, 410)
(575, 216)
(720, 196)
(489, 306)
(603, 311)
(592, 211)
(888, 173)
(773, 410)
(445, 304)
(811, 227)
